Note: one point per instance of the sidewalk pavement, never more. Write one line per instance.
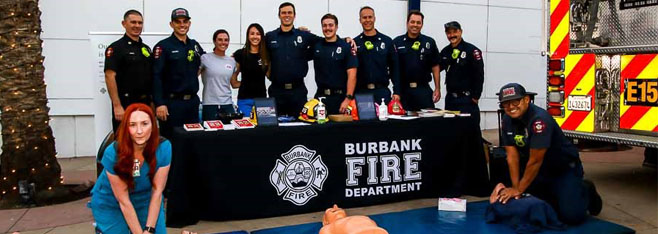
(629, 194)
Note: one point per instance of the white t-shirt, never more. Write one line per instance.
(216, 78)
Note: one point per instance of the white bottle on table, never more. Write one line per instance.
(383, 111)
(321, 115)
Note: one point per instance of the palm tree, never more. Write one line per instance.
(28, 150)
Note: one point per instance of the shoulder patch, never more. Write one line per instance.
(158, 51)
(109, 52)
(477, 54)
(538, 126)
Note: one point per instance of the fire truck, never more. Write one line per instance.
(602, 81)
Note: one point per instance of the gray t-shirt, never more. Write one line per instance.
(216, 78)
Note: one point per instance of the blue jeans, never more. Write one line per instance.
(245, 105)
(211, 112)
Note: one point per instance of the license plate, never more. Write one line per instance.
(580, 103)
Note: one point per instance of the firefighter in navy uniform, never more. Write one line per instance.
(419, 62)
(464, 68)
(289, 54)
(335, 68)
(378, 60)
(541, 160)
(175, 75)
(128, 68)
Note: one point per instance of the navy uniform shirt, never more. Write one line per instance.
(536, 129)
(379, 64)
(464, 69)
(416, 61)
(176, 68)
(331, 61)
(133, 63)
(289, 54)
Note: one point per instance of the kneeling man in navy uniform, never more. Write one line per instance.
(541, 160)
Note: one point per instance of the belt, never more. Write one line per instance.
(375, 86)
(138, 96)
(289, 85)
(180, 96)
(461, 94)
(413, 85)
(329, 92)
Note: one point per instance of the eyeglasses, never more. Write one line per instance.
(514, 103)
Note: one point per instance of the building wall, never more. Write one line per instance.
(509, 32)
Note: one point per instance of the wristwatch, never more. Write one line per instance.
(349, 97)
(149, 229)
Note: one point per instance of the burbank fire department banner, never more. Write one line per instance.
(264, 172)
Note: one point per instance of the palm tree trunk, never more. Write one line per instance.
(28, 150)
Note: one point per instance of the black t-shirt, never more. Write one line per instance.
(253, 75)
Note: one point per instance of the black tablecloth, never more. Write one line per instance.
(264, 172)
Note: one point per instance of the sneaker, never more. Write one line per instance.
(595, 202)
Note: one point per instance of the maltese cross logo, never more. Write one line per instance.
(299, 175)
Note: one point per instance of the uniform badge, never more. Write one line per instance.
(427, 45)
(463, 54)
(339, 50)
(455, 53)
(229, 67)
(158, 52)
(369, 45)
(382, 46)
(260, 62)
(196, 48)
(146, 52)
(190, 55)
(477, 54)
(519, 140)
(416, 45)
(299, 176)
(299, 39)
(538, 126)
(109, 52)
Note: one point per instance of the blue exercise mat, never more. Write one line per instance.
(430, 220)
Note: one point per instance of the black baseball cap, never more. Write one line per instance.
(512, 91)
(180, 12)
(452, 24)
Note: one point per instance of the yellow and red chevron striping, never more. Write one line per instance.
(562, 49)
(576, 75)
(559, 29)
(636, 65)
(632, 116)
(643, 118)
(579, 81)
(559, 13)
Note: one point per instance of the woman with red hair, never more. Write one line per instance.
(127, 197)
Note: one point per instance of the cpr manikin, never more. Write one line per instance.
(335, 221)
